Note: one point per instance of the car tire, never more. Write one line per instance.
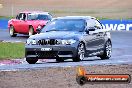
(59, 59)
(31, 31)
(107, 51)
(31, 61)
(80, 53)
(12, 31)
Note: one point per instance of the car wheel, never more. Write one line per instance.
(12, 31)
(59, 59)
(107, 51)
(31, 61)
(81, 52)
(31, 31)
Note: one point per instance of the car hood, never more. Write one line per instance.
(57, 35)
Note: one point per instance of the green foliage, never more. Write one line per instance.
(11, 50)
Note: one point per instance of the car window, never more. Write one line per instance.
(94, 23)
(39, 17)
(17, 17)
(98, 25)
(65, 25)
(90, 23)
(21, 16)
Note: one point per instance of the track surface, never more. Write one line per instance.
(4, 36)
(122, 53)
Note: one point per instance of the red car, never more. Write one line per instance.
(28, 22)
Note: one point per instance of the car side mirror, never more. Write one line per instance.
(89, 29)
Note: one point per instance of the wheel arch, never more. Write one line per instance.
(109, 40)
(31, 26)
(83, 43)
(10, 25)
(106, 40)
(13, 27)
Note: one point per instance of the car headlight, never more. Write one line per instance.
(68, 42)
(31, 41)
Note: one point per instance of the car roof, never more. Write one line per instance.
(76, 17)
(35, 12)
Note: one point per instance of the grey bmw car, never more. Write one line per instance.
(70, 37)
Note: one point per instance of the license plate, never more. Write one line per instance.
(46, 49)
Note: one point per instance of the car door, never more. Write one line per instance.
(99, 35)
(17, 22)
(24, 24)
(90, 38)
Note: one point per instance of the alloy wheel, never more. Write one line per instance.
(108, 49)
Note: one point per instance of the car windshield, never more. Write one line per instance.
(38, 17)
(65, 25)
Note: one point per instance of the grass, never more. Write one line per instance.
(11, 50)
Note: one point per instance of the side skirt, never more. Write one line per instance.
(94, 53)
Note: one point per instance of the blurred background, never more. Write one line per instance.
(114, 9)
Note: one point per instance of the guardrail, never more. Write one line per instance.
(110, 24)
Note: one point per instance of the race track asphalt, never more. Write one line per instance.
(4, 36)
(121, 53)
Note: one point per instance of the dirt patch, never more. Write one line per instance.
(60, 77)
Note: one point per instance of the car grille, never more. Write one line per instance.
(47, 42)
(43, 54)
(47, 54)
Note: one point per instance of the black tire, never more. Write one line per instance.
(12, 31)
(107, 51)
(59, 59)
(31, 61)
(31, 31)
(76, 59)
(80, 52)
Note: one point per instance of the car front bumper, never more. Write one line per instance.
(50, 52)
